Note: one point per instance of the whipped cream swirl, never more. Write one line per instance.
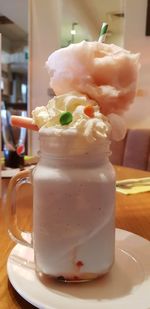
(92, 128)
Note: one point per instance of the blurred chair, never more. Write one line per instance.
(133, 151)
(148, 166)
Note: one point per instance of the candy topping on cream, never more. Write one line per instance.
(73, 111)
(89, 111)
(65, 118)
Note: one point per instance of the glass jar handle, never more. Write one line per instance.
(24, 238)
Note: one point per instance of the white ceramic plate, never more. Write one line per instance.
(11, 172)
(127, 286)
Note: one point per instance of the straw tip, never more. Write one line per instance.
(104, 23)
(103, 32)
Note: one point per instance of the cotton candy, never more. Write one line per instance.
(105, 73)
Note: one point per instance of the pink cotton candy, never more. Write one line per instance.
(105, 73)
(118, 126)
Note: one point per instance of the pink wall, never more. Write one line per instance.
(135, 40)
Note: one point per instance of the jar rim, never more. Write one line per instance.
(72, 145)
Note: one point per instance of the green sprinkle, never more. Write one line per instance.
(65, 118)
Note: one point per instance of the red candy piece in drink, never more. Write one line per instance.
(76, 278)
(79, 263)
(89, 111)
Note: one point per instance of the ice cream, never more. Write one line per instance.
(74, 182)
(94, 83)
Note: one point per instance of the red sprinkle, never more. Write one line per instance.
(79, 263)
(89, 111)
(76, 278)
(20, 149)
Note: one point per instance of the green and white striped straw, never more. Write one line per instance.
(103, 31)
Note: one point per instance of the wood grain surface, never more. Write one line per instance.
(132, 214)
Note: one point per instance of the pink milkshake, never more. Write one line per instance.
(74, 208)
(74, 181)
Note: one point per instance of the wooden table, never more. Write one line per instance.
(132, 214)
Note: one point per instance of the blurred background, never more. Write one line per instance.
(31, 30)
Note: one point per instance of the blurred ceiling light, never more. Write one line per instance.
(73, 31)
(2, 84)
